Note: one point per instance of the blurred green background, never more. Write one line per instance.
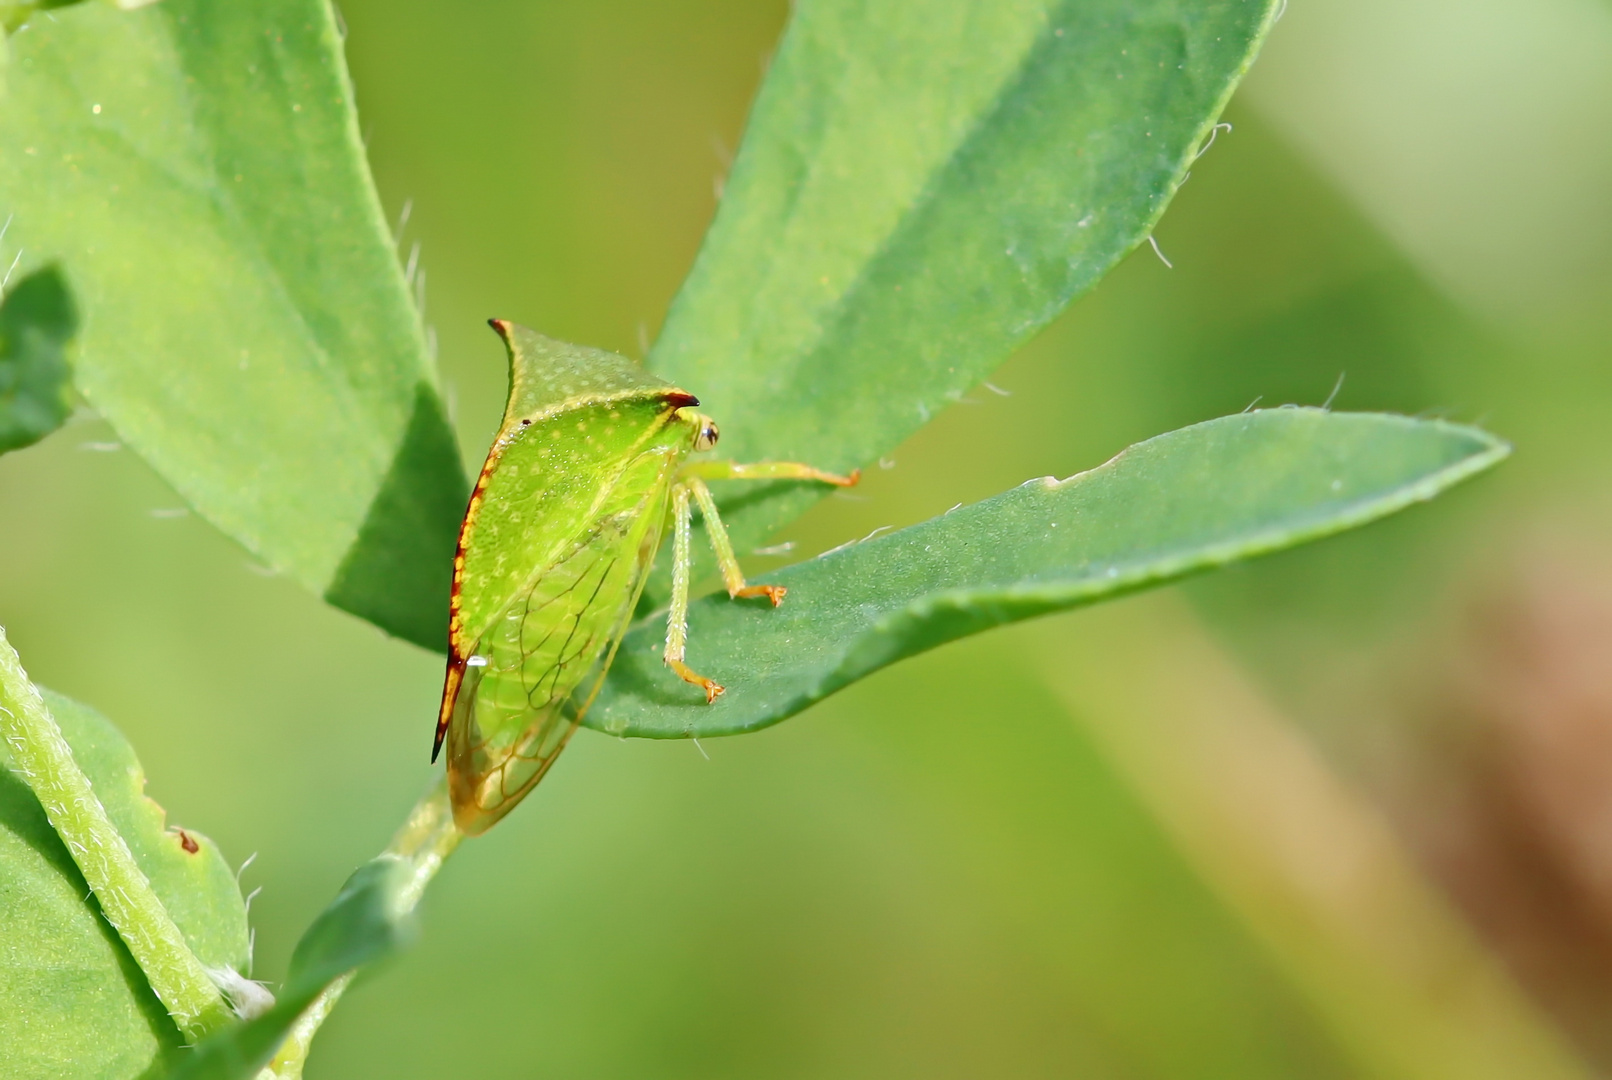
(989, 860)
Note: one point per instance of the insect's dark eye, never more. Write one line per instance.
(707, 436)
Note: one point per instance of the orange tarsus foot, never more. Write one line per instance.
(713, 690)
(850, 481)
(775, 593)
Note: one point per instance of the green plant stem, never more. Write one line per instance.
(426, 840)
(45, 760)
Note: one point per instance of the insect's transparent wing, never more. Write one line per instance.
(535, 670)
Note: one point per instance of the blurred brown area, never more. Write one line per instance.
(1510, 800)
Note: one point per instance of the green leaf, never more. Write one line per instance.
(37, 321)
(922, 187)
(368, 919)
(197, 887)
(72, 1000)
(198, 171)
(14, 14)
(1192, 500)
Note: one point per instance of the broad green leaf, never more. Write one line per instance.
(197, 170)
(37, 321)
(72, 1000)
(368, 919)
(1194, 499)
(921, 188)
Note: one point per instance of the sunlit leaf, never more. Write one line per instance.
(1194, 499)
(198, 172)
(922, 186)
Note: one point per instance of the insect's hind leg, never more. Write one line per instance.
(677, 617)
(732, 576)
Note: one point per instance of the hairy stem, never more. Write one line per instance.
(44, 759)
(426, 840)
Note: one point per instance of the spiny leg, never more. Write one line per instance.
(732, 576)
(692, 481)
(696, 473)
(677, 617)
(766, 470)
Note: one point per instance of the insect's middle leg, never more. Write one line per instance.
(732, 576)
(677, 617)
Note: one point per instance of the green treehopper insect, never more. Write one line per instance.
(589, 467)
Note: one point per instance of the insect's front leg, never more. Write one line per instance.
(732, 576)
(767, 470)
(677, 617)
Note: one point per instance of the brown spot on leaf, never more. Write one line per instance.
(188, 842)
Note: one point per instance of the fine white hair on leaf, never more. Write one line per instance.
(1167, 263)
(853, 543)
(413, 264)
(7, 279)
(720, 148)
(1250, 406)
(246, 996)
(403, 220)
(1214, 133)
(1327, 404)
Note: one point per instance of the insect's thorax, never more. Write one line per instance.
(551, 484)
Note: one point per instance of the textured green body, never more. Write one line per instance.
(559, 536)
